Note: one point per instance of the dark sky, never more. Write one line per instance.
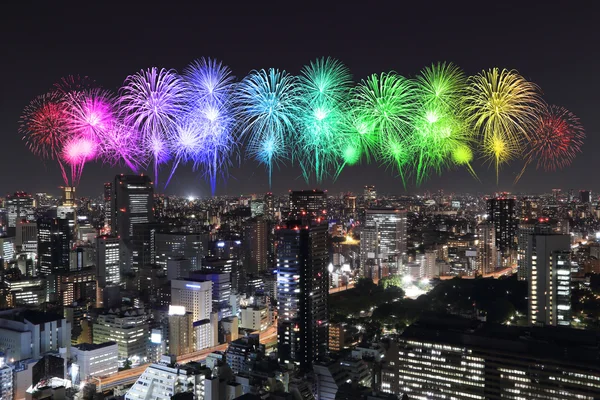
(555, 44)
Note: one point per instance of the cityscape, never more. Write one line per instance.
(275, 202)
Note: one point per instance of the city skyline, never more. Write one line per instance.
(352, 46)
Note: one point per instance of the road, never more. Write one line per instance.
(350, 286)
(129, 376)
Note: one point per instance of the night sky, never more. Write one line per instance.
(555, 44)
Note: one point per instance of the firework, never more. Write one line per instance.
(268, 103)
(210, 103)
(73, 84)
(92, 114)
(502, 106)
(151, 102)
(76, 152)
(556, 140)
(121, 144)
(325, 87)
(44, 126)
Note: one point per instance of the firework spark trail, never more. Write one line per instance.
(502, 106)
(555, 141)
(210, 103)
(151, 102)
(325, 86)
(76, 152)
(384, 104)
(44, 126)
(268, 107)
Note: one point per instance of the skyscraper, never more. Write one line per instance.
(487, 255)
(194, 295)
(370, 194)
(54, 244)
(549, 278)
(383, 238)
(302, 293)
(132, 203)
(255, 245)
(307, 204)
(20, 206)
(502, 213)
(181, 332)
(585, 196)
(108, 211)
(269, 204)
(107, 261)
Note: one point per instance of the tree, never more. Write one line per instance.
(364, 286)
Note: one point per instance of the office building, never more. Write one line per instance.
(6, 381)
(179, 245)
(95, 360)
(164, 381)
(585, 196)
(501, 212)
(383, 239)
(302, 293)
(369, 194)
(194, 295)
(239, 352)
(487, 254)
(108, 211)
(308, 204)
(221, 291)
(256, 245)
(549, 279)
(107, 260)
(128, 328)
(269, 206)
(257, 318)
(337, 337)
(455, 358)
(132, 203)
(20, 206)
(26, 237)
(55, 239)
(181, 333)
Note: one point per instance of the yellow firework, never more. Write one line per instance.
(502, 107)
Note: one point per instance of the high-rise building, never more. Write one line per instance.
(549, 278)
(269, 204)
(501, 212)
(128, 328)
(256, 245)
(181, 332)
(132, 203)
(585, 196)
(107, 260)
(221, 291)
(108, 206)
(55, 239)
(302, 293)
(257, 208)
(487, 255)
(179, 245)
(442, 358)
(370, 194)
(6, 380)
(26, 237)
(383, 238)
(308, 204)
(20, 206)
(194, 295)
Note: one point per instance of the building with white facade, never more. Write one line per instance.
(194, 295)
(128, 328)
(255, 318)
(95, 360)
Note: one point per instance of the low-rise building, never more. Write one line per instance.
(95, 360)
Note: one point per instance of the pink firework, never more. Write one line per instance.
(92, 113)
(76, 153)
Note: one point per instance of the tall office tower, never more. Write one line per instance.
(107, 207)
(585, 196)
(194, 295)
(524, 230)
(20, 206)
(255, 245)
(302, 293)
(221, 291)
(68, 199)
(529, 208)
(26, 237)
(487, 254)
(549, 278)
(181, 332)
(502, 213)
(54, 243)
(269, 204)
(107, 260)
(132, 203)
(556, 194)
(350, 206)
(257, 208)
(179, 246)
(307, 204)
(370, 194)
(383, 238)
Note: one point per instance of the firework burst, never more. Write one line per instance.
(151, 102)
(268, 108)
(325, 86)
(502, 106)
